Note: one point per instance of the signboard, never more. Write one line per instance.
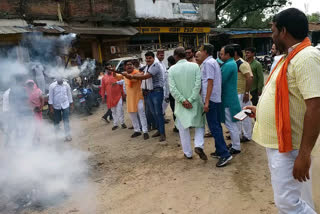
(147, 30)
(185, 8)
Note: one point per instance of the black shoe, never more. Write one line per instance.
(208, 135)
(229, 146)
(157, 134)
(145, 136)
(114, 128)
(162, 138)
(105, 119)
(124, 126)
(131, 127)
(215, 155)
(136, 134)
(223, 161)
(201, 154)
(244, 139)
(187, 157)
(175, 130)
(233, 151)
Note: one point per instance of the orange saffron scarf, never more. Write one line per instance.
(283, 123)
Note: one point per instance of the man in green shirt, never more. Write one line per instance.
(185, 85)
(258, 78)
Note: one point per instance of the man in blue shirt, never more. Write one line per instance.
(211, 96)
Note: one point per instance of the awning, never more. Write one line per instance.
(13, 23)
(13, 30)
(50, 29)
(120, 31)
(49, 23)
(13, 26)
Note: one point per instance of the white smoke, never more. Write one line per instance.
(36, 167)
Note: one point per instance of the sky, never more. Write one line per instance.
(312, 5)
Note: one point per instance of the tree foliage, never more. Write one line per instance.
(234, 13)
(314, 17)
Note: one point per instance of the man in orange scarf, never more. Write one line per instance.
(288, 113)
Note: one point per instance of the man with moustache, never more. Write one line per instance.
(230, 100)
(152, 86)
(190, 56)
(288, 113)
(135, 105)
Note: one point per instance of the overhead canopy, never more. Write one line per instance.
(13, 26)
(12, 30)
(121, 31)
(241, 33)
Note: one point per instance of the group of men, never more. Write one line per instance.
(287, 113)
(215, 90)
(199, 87)
(211, 91)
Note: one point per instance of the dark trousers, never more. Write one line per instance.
(150, 120)
(214, 123)
(155, 100)
(108, 114)
(62, 114)
(172, 105)
(255, 97)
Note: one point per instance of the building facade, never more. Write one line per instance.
(109, 29)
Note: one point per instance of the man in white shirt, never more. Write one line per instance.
(160, 58)
(60, 101)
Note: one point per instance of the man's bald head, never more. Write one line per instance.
(179, 53)
(199, 57)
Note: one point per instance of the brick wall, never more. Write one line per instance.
(36, 8)
(71, 9)
(79, 8)
(9, 8)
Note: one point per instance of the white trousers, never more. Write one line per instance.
(142, 117)
(118, 114)
(290, 195)
(186, 139)
(245, 126)
(233, 129)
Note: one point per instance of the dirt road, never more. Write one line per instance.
(143, 177)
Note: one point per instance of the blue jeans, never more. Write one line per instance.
(60, 114)
(148, 104)
(155, 100)
(214, 123)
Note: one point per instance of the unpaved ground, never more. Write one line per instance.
(142, 177)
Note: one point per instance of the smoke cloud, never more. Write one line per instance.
(37, 168)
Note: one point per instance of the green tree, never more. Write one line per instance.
(314, 17)
(231, 13)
